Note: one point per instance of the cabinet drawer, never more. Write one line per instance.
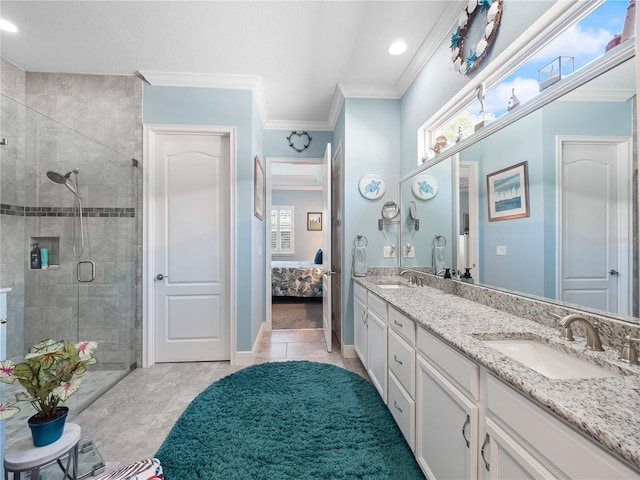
(360, 292)
(403, 409)
(403, 325)
(456, 367)
(556, 445)
(378, 305)
(402, 362)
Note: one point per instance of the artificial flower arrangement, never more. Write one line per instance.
(47, 374)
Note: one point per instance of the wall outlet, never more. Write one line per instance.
(501, 250)
(389, 251)
(409, 251)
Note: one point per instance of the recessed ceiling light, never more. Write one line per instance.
(7, 26)
(398, 47)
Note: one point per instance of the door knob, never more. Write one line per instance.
(161, 276)
(614, 272)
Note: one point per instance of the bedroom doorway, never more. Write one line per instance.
(294, 201)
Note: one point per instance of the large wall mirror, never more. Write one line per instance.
(576, 241)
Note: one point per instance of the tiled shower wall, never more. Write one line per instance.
(107, 109)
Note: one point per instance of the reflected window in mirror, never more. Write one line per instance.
(599, 28)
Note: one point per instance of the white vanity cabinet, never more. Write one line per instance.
(522, 440)
(402, 373)
(370, 336)
(360, 322)
(447, 411)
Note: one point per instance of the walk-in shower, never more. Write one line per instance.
(89, 289)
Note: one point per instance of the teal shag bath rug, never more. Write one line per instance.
(288, 420)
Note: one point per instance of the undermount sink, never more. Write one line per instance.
(546, 360)
(388, 285)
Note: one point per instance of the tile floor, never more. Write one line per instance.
(131, 420)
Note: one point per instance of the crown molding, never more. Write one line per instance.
(295, 125)
(436, 36)
(597, 95)
(205, 80)
(351, 90)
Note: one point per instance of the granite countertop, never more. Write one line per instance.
(605, 409)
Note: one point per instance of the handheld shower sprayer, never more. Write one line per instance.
(78, 224)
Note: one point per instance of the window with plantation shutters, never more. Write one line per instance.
(282, 229)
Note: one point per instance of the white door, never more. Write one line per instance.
(326, 252)
(190, 177)
(594, 239)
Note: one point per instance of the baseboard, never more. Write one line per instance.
(348, 351)
(247, 357)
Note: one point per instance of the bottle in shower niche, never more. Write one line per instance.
(44, 258)
(447, 285)
(36, 260)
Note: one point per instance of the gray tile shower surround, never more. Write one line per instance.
(604, 409)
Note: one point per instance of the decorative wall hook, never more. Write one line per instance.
(301, 145)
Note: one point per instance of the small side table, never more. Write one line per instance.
(23, 457)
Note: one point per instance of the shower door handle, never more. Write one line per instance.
(93, 271)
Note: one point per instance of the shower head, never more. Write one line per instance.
(65, 180)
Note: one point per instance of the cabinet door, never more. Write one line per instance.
(446, 427)
(360, 330)
(503, 457)
(377, 352)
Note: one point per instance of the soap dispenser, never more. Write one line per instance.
(447, 284)
(466, 276)
(35, 257)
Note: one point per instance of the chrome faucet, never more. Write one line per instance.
(413, 279)
(593, 337)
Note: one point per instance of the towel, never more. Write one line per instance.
(439, 256)
(359, 261)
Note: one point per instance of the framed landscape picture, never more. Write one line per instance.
(508, 193)
(314, 221)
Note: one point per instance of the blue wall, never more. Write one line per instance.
(371, 145)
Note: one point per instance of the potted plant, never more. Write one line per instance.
(47, 374)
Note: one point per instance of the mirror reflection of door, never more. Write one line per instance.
(468, 218)
(595, 222)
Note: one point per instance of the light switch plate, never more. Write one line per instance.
(389, 251)
(501, 250)
(409, 251)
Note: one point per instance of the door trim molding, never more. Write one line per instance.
(267, 225)
(148, 147)
(625, 223)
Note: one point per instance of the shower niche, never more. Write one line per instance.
(52, 244)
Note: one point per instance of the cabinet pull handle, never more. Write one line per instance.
(397, 323)
(464, 428)
(484, 444)
(395, 404)
(364, 317)
(396, 359)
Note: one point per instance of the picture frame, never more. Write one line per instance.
(508, 193)
(314, 221)
(258, 189)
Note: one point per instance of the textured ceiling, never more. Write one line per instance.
(301, 50)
